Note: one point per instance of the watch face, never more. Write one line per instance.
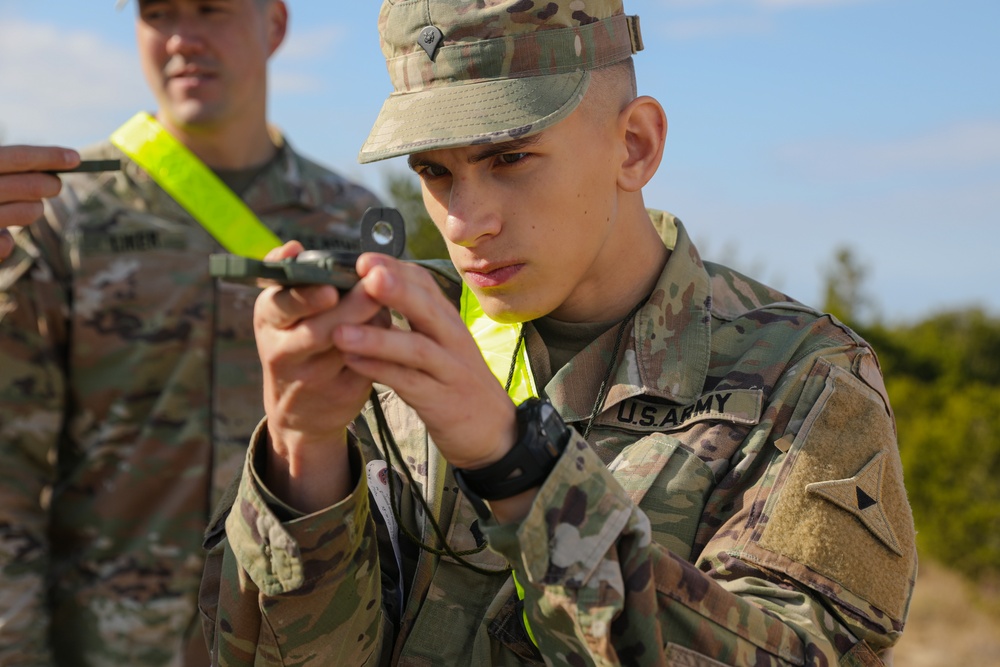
(551, 429)
(542, 435)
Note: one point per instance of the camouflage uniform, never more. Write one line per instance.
(740, 502)
(130, 386)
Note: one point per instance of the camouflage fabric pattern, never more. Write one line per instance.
(465, 73)
(647, 545)
(130, 386)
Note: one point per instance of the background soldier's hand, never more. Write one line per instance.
(310, 395)
(23, 184)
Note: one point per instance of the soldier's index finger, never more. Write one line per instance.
(14, 159)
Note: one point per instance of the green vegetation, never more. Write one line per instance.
(423, 241)
(943, 378)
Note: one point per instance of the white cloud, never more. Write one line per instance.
(303, 51)
(288, 81)
(968, 145)
(311, 43)
(70, 86)
(929, 248)
(63, 85)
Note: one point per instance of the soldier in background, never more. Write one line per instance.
(699, 470)
(129, 380)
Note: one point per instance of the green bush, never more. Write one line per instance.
(423, 241)
(949, 440)
(943, 379)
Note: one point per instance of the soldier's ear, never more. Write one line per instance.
(642, 126)
(277, 24)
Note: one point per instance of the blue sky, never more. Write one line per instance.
(796, 126)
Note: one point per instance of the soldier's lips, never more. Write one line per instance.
(191, 80)
(490, 277)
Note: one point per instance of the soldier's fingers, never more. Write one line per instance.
(401, 355)
(320, 307)
(289, 249)
(28, 187)
(284, 307)
(6, 244)
(36, 158)
(18, 214)
(410, 290)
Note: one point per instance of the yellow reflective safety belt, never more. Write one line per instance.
(496, 342)
(194, 186)
(524, 610)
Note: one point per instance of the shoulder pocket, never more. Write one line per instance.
(670, 484)
(837, 518)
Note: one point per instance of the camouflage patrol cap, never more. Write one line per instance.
(466, 73)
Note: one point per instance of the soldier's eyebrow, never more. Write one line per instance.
(488, 151)
(513, 146)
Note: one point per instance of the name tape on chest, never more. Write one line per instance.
(741, 406)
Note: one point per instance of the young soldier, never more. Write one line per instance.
(710, 476)
(129, 380)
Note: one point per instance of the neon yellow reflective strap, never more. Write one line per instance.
(496, 342)
(524, 612)
(194, 186)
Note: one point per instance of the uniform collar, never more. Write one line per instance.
(283, 184)
(667, 353)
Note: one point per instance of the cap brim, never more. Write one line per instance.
(450, 116)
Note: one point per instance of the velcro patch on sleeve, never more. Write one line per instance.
(838, 519)
(861, 495)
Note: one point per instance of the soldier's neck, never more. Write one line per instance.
(226, 146)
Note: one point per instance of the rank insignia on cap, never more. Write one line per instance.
(860, 495)
(430, 39)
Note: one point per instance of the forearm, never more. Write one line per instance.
(308, 477)
(295, 575)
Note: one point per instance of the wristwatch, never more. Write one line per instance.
(541, 438)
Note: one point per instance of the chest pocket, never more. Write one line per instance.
(138, 262)
(670, 484)
(137, 281)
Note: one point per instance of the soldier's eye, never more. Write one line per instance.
(512, 158)
(431, 171)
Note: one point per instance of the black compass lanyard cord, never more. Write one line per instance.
(392, 450)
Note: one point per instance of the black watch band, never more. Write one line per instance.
(541, 439)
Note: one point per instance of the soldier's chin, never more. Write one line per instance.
(193, 112)
(510, 308)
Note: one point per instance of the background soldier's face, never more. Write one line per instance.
(206, 60)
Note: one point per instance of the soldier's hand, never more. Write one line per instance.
(436, 367)
(24, 183)
(310, 395)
